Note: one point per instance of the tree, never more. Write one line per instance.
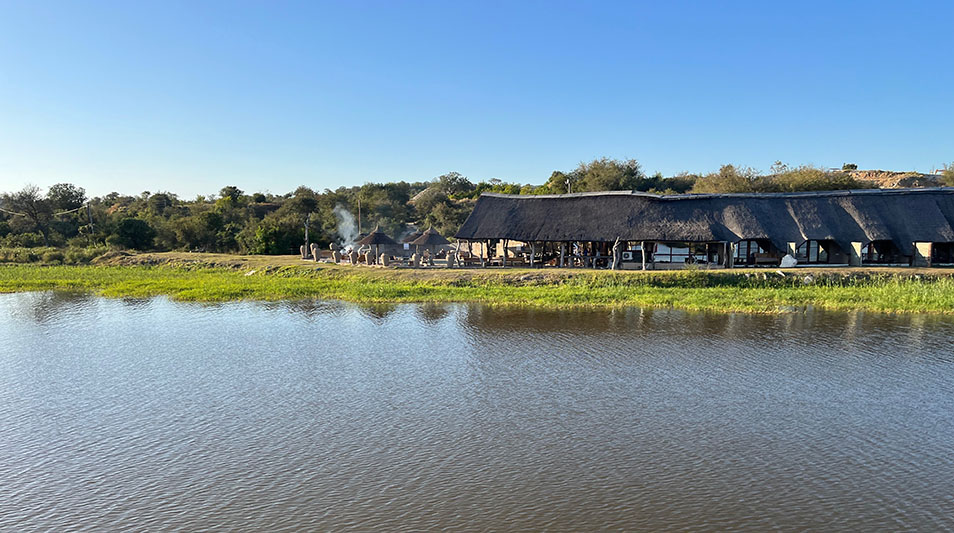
(678, 184)
(454, 184)
(66, 196)
(132, 233)
(606, 174)
(303, 202)
(849, 166)
(275, 234)
(779, 168)
(161, 201)
(428, 200)
(202, 231)
(36, 210)
(562, 183)
(231, 191)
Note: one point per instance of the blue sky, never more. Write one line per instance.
(191, 96)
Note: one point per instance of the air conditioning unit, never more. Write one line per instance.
(627, 255)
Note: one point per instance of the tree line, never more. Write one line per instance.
(234, 221)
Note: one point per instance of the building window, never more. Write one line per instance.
(812, 252)
(750, 252)
(942, 253)
(881, 253)
(681, 253)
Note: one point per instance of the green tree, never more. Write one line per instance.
(303, 202)
(428, 200)
(606, 174)
(66, 196)
(562, 183)
(34, 209)
(231, 191)
(160, 202)
(454, 184)
(132, 233)
(274, 235)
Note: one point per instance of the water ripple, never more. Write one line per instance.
(148, 415)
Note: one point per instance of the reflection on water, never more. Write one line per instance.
(155, 415)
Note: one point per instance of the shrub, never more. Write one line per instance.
(947, 175)
(82, 256)
(53, 256)
(24, 255)
(22, 240)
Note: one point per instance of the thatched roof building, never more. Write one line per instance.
(377, 237)
(408, 239)
(902, 217)
(430, 238)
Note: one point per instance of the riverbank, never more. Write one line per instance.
(762, 291)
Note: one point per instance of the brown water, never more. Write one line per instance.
(160, 416)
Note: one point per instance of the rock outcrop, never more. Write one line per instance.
(887, 179)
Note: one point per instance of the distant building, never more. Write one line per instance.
(863, 227)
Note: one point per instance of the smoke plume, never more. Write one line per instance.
(347, 226)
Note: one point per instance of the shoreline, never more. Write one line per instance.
(219, 278)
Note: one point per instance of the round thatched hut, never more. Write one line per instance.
(376, 238)
(430, 239)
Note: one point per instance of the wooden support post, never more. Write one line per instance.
(642, 252)
(505, 242)
(562, 253)
(533, 252)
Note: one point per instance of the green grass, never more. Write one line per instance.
(765, 292)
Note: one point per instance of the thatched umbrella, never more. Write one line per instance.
(377, 238)
(430, 238)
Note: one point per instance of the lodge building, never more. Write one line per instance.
(909, 227)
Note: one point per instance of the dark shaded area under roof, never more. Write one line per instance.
(899, 215)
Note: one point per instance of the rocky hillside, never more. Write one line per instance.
(886, 179)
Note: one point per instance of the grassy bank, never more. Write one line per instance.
(693, 290)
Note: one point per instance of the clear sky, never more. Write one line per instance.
(191, 96)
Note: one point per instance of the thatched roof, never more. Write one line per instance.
(410, 238)
(900, 215)
(376, 237)
(430, 238)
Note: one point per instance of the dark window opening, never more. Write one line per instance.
(755, 252)
(942, 253)
(684, 252)
(816, 252)
(881, 253)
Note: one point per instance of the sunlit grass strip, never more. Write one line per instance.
(699, 291)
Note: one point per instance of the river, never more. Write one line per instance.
(139, 415)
